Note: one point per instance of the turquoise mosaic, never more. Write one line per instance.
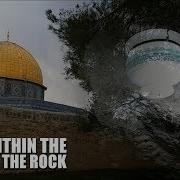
(157, 54)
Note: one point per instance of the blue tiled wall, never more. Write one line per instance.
(17, 88)
(38, 105)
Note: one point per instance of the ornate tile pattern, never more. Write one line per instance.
(20, 89)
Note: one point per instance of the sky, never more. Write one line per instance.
(28, 27)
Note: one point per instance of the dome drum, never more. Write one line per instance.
(21, 89)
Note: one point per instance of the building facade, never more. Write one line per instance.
(21, 81)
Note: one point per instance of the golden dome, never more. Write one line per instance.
(17, 63)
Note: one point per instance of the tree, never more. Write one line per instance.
(116, 19)
(95, 35)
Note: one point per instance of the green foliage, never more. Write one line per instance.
(73, 29)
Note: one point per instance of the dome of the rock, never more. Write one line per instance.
(21, 81)
(20, 74)
(17, 63)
